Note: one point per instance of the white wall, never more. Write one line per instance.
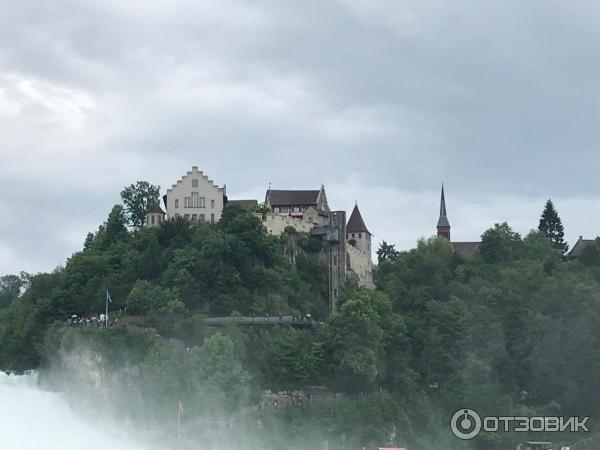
(212, 194)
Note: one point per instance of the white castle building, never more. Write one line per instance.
(198, 199)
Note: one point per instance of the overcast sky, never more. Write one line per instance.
(380, 100)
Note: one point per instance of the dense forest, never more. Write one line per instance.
(511, 331)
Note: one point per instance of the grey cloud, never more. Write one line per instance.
(379, 100)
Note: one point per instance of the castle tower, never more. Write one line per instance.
(443, 226)
(155, 216)
(357, 233)
(358, 249)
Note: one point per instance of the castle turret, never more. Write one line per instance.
(443, 225)
(357, 233)
(155, 216)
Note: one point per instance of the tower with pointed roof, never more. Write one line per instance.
(443, 225)
(358, 248)
(357, 233)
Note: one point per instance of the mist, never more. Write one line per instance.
(32, 418)
(80, 398)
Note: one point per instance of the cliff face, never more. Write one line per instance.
(83, 367)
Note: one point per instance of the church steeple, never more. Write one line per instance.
(443, 225)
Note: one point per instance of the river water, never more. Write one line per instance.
(34, 419)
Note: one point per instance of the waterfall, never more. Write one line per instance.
(32, 419)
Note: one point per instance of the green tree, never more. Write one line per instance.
(440, 334)
(165, 376)
(261, 208)
(114, 229)
(290, 359)
(355, 339)
(419, 275)
(146, 297)
(551, 226)
(387, 253)
(10, 288)
(115, 224)
(22, 328)
(138, 199)
(499, 244)
(217, 377)
(89, 241)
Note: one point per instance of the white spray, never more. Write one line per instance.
(34, 419)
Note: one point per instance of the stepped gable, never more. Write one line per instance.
(189, 173)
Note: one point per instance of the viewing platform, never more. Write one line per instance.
(287, 321)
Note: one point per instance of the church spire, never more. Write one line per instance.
(443, 225)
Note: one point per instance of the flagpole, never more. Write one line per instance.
(106, 315)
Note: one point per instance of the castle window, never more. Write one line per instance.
(186, 217)
(195, 201)
(212, 218)
(359, 235)
(176, 203)
(194, 183)
(202, 218)
(177, 215)
(353, 236)
(335, 293)
(212, 204)
(152, 219)
(335, 260)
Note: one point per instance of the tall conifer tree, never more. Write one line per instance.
(551, 226)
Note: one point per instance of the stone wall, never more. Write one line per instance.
(277, 223)
(362, 266)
